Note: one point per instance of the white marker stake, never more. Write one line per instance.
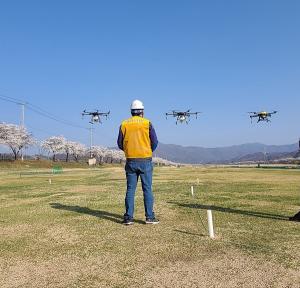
(210, 224)
(50, 181)
(192, 190)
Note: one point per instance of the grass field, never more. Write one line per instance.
(68, 233)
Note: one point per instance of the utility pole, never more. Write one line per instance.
(22, 114)
(265, 155)
(91, 140)
(95, 118)
(22, 123)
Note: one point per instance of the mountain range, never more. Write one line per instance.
(229, 154)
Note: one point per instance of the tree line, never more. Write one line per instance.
(18, 138)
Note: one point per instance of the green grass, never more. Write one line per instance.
(68, 233)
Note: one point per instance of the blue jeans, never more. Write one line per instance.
(135, 169)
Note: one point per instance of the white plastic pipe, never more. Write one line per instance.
(210, 224)
(192, 190)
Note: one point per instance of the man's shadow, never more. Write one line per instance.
(96, 213)
(230, 210)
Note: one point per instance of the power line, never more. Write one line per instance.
(48, 115)
(40, 111)
(40, 130)
(11, 99)
(45, 113)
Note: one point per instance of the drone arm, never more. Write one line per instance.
(103, 113)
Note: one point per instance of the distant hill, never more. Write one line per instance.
(262, 157)
(198, 155)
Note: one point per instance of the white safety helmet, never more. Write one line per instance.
(137, 105)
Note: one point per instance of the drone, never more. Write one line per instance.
(182, 116)
(262, 116)
(95, 116)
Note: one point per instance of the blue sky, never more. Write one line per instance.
(223, 58)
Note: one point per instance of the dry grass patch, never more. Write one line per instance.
(230, 270)
(69, 233)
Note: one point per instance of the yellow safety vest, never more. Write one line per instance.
(136, 138)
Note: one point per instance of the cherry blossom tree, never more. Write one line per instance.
(15, 137)
(99, 152)
(117, 156)
(67, 149)
(76, 149)
(54, 145)
(163, 162)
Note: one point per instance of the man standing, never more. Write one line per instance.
(137, 138)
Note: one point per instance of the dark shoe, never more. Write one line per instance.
(296, 217)
(127, 221)
(152, 221)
